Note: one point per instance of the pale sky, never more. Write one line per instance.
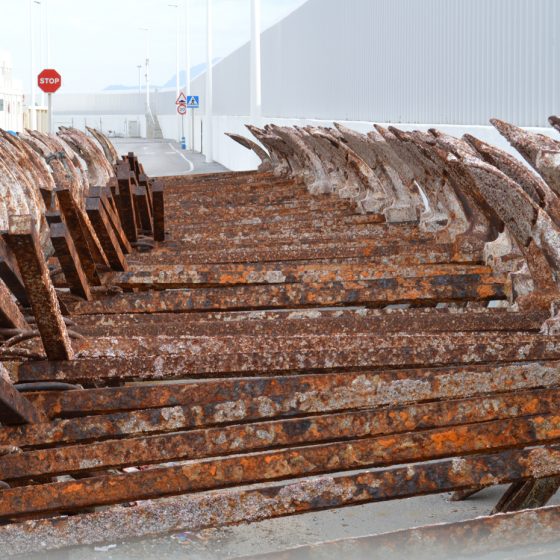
(96, 43)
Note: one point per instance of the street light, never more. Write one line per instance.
(187, 47)
(188, 67)
(147, 30)
(177, 83)
(47, 36)
(209, 94)
(41, 42)
(255, 59)
(32, 119)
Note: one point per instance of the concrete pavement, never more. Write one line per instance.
(165, 157)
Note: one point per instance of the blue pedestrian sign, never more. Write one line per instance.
(193, 102)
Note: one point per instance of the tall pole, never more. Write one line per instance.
(47, 35)
(139, 66)
(32, 119)
(41, 43)
(209, 71)
(177, 82)
(256, 83)
(148, 71)
(147, 75)
(177, 27)
(48, 61)
(188, 66)
(50, 115)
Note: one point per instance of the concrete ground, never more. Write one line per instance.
(243, 541)
(165, 158)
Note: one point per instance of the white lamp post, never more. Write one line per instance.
(32, 114)
(177, 82)
(208, 100)
(147, 30)
(256, 99)
(190, 114)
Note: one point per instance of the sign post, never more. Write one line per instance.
(49, 81)
(193, 102)
(182, 110)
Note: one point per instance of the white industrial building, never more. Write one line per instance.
(11, 96)
(447, 63)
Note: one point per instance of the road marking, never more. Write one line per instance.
(191, 164)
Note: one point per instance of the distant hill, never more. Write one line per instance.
(196, 71)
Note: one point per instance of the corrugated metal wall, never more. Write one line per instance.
(416, 61)
(231, 82)
(107, 103)
(392, 61)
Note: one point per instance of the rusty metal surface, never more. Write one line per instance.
(197, 444)
(234, 301)
(98, 167)
(186, 357)
(230, 400)
(348, 424)
(373, 293)
(69, 260)
(301, 322)
(178, 276)
(100, 221)
(22, 238)
(15, 408)
(10, 314)
(382, 484)
(199, 511)
(106, 145)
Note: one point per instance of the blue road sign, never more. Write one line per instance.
(193, 102)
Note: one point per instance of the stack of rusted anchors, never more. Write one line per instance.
(363, 318)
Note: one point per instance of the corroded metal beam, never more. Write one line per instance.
(10, 314)
(86, 242)
(159, 211)
(14, 408)
(373, 293)
(125, 203)
(69, 260)
(226, 440)
(177, 276)
(302, 322)
(235, 400)
(22, 239)
(382, 251)
(411, 480)
(100, 221)
(169, 359)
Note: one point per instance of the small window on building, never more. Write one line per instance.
(1, 104)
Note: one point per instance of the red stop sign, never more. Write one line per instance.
(49, 80)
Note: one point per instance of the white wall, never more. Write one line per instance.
(11, 96)
(414, 61)
(114, 125)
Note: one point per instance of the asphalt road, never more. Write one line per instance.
(165, 157)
